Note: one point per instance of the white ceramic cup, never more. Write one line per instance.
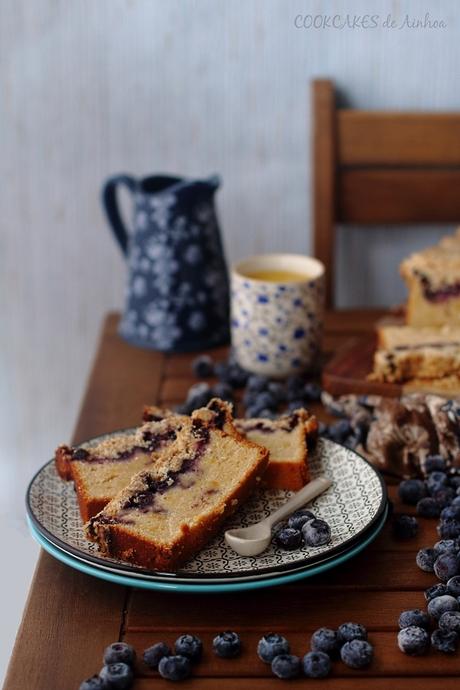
(277, 326)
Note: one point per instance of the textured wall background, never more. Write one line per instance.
(91, 88)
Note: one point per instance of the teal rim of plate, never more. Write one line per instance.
(210, 588)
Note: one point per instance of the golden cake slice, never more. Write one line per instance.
(288, 440)
(169, 512)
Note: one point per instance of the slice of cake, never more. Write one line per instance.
(170, 511)
(433, 280)
(405, 353)
(287, 440)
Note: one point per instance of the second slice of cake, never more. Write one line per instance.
(169, 512)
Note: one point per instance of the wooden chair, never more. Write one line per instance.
(376, 167)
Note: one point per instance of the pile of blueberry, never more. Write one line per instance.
(303, 528)
(437, 496)
(349, 642)
(119, 659)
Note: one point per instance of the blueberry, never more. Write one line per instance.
(351, 631)
(444, 641)
(295, 405)
(251, 412)
(435, 481)
(257, 383)
(277, 391)
(227, 644)
(434, 463)
(450, 513)
(190, 646)
(316, 532)
(415, 617)
(425, 559)
(237, 376)
(286, 666)
(119, 652)
(198, 395)
(175, 667)
(450, 620)
(411, 491)
(405, 526)
(117, 676)
(153, 655)
(444, 496)
(453, 586)
(413, 640)
(223, 391)
(439, 605)
(456, 500)
(299, 518)
(325, 640)
(289, 538)
(435, 591)
(445, 545)
(454, 482)
(428, 507)
(312, 392)
(357, 653)
(265, 401)
(446, 566)
(203, 367)
(272, 645)
(316, 665)
(294, 388)
(93, 683)
(449, 529)
(339, 431)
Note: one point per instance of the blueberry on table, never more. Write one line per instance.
(286, 666)
(189, 646)
(413, 640)
(425, 559)
(357, 653)
(428, 507)
(411, 491)
(325, 640)
(404, 527)
(203, 366)
(450, 512)
(277, 391)
(227, 644)
(445, 545)
(272, 645)
(222, 391)
(339, 431)
(316, 532)
(434, 463)
(119, 651)
(266, 413)
(312, 392)
(265, 401)
(198, 396)
(289, 538)
(446, 566)
(444, 641)
(299, 518)
(175, 667)
(450, 620)
(435, 591)
(449, 529)
(295, 405)
(414, 617)
(93, 683)
(453, 586)
(295, 388)
(154, 654)
(436, 480)
(444, 496)
(257, 383)
(351, 631)
(117, 676)
(316, 665)
(439, 605)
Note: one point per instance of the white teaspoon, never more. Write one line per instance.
(252, 540)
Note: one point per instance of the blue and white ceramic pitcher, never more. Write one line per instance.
(177, 296)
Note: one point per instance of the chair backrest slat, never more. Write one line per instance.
(374, 167)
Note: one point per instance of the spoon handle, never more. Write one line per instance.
(310, 491)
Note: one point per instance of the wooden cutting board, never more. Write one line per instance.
(349, 368)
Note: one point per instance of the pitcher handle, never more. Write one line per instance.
(110, 203)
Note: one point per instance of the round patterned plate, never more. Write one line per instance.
(353, 504)
(211, 586)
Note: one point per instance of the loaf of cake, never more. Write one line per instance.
(288, 440)
(408, 353)
(432, 277)
(169, 512)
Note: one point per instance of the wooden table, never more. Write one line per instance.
(70, 617)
